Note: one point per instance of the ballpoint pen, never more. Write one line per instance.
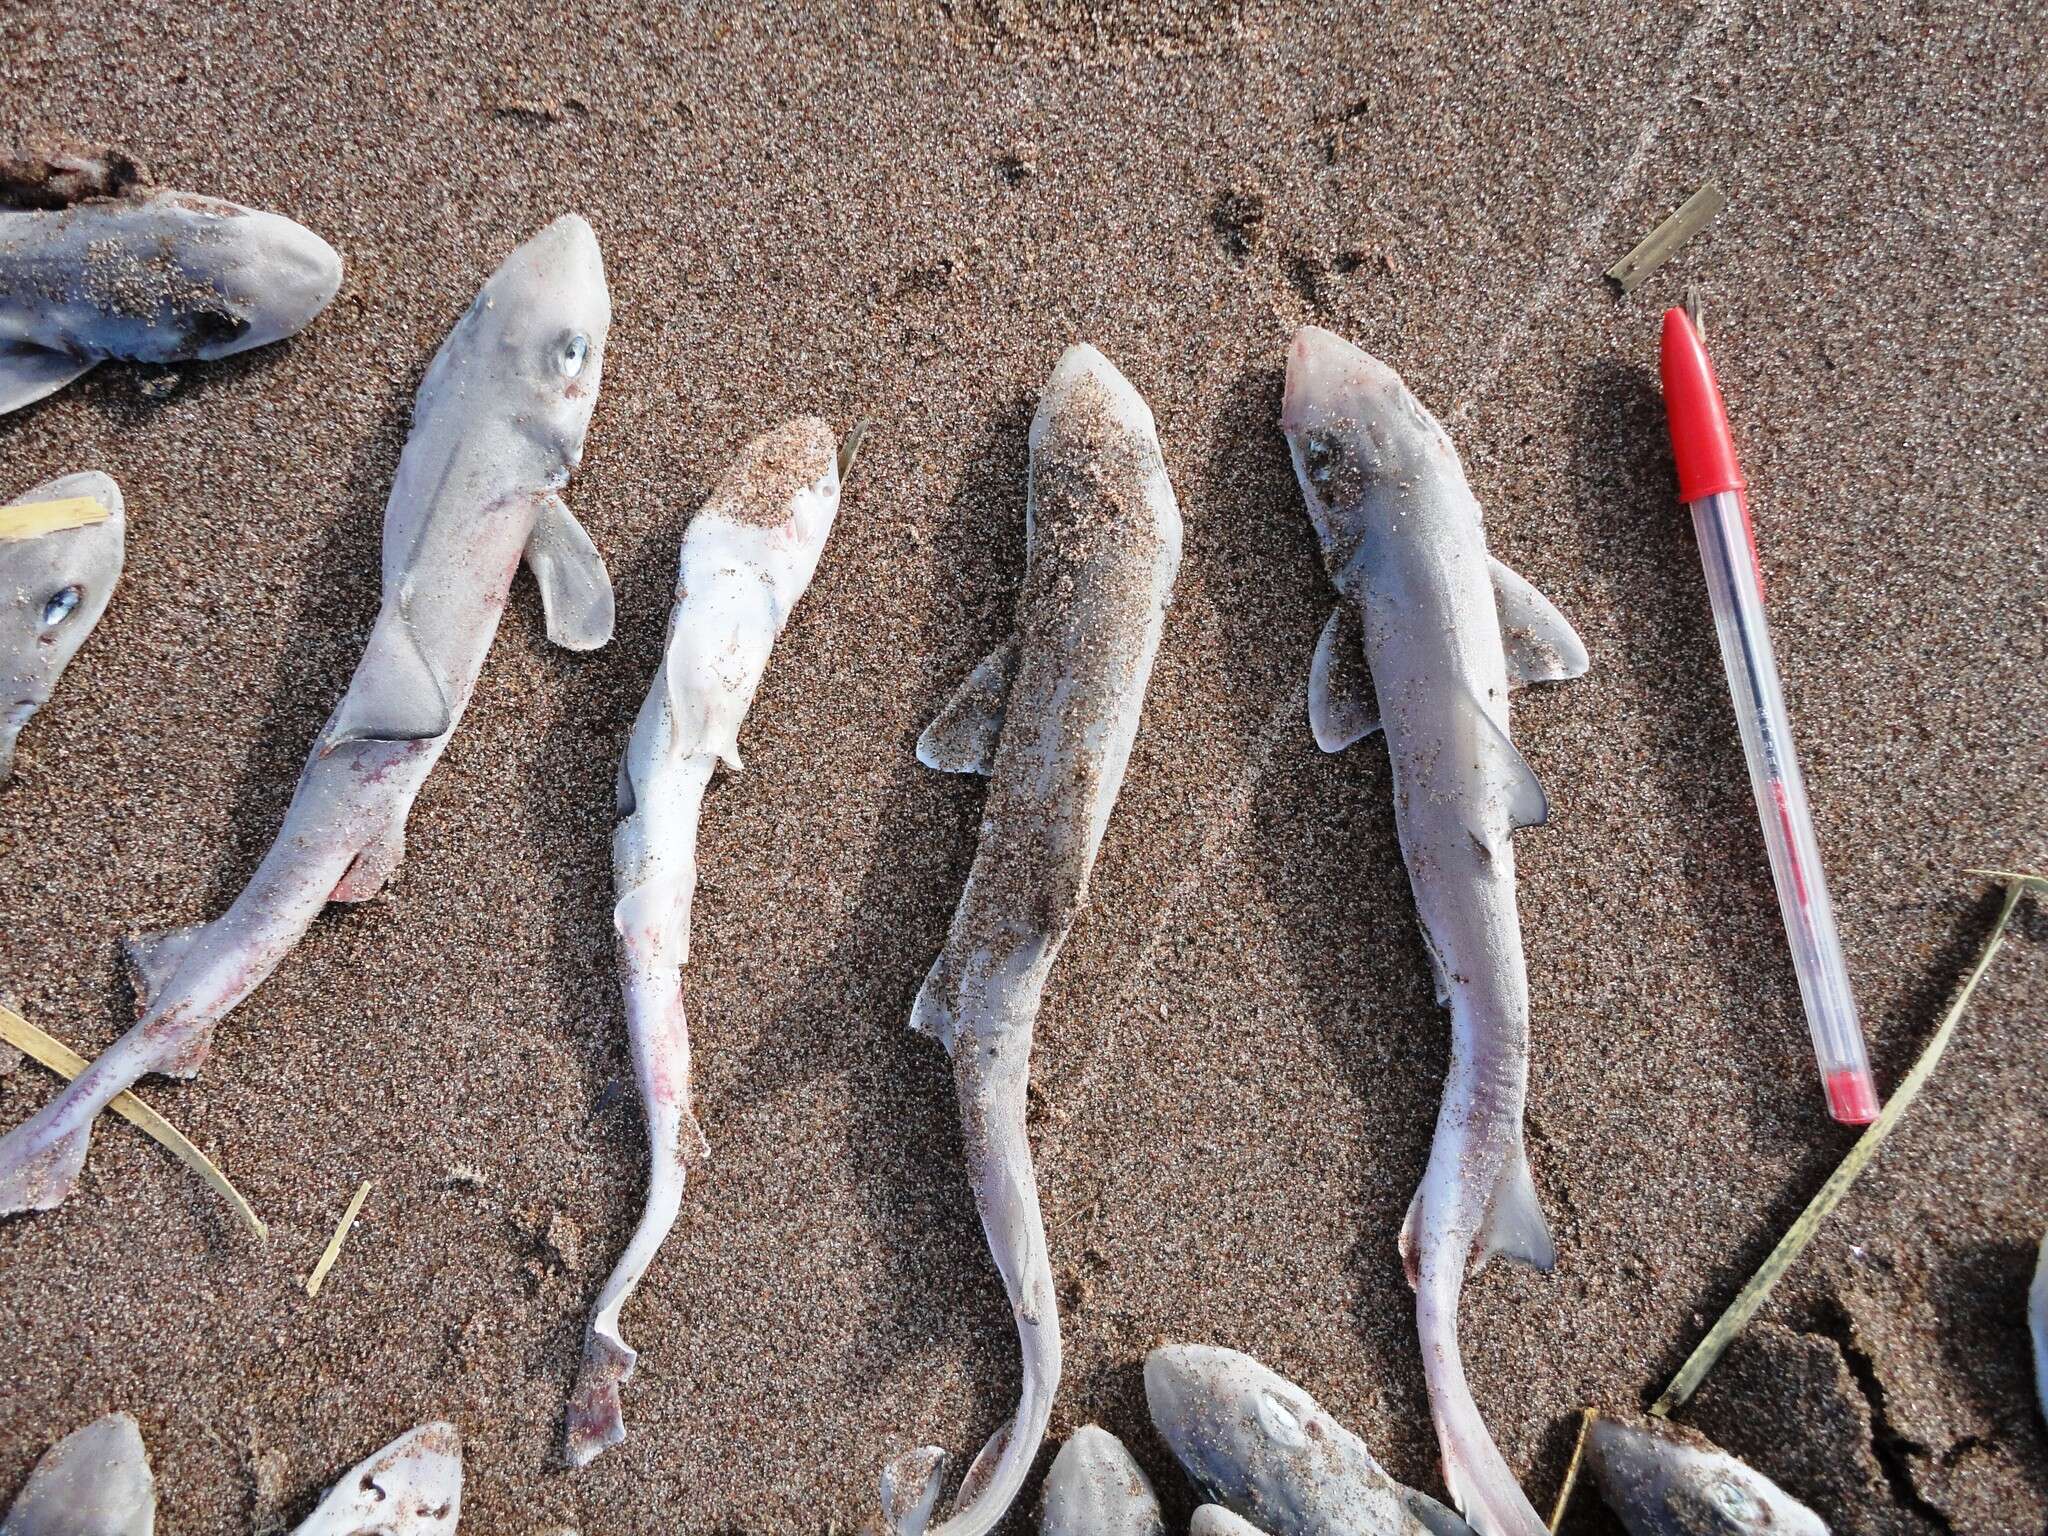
(1711, 486)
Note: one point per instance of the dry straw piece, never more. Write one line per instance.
(348, 1219)
(67, 1064)
(1662, 243)
(32, 519)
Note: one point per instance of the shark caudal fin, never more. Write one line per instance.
(1482, 1488)
(39, 1170)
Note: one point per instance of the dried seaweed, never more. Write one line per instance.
(1663, 242)
(32, 519)
(67, 1064)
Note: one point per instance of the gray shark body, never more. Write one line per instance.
(1050, 717)
(149, 275)
(498, 427)
(54, 586)
(747, 557)
(1442, 632)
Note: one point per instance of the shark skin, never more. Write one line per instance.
(498, 428)
(2037, 1324)
(144, 274)
(1661, 1480)
(96, 1481)
(1050, 717)
(413, 1487)
(1096, 1489)
(748, 556)
(1256, 1445)
(1443, 631)
(53, 588)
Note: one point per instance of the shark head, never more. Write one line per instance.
(1659, 1480)
(535, 339)
(95, 1479)
(1095, 1489)
(1240, 1431)
(53, 588)
(272, 276)
(1353, 427)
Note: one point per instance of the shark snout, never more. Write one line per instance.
(294, 276)
(1329, 378)
(1184, 1383)
(1082, 369)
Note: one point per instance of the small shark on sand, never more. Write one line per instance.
(54, 585)
(1661, 1480)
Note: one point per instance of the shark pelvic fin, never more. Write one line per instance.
(29, 372)
(962, 736)
(1541, 645)
(1515, 1228)
(575, 587)
(153, 959)
(373, 866)
(395, 695)
(1342, 707)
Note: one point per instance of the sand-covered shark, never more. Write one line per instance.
(1050, 717)
(57, 574)
(1096, 1488)
(747, 557)
(96, 1481)
(498, 427)
(1428, 635)
(100, 265)
(1257, 1445)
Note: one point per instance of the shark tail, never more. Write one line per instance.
(41, 1159)
(1481, 1485)
(661, 1061)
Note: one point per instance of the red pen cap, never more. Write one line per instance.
(1700, 441)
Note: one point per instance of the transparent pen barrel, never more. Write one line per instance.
(1722, 523)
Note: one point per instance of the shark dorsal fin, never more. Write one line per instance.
(1541, 645)
(962, 736)
(395, 695)
(1342, 707)
(575, 587)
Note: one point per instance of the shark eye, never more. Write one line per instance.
(1280, 1421)
(61, 607)
(575, 351)
(1733, 1500)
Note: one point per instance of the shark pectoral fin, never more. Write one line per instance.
(395, 695)
(1541, 645)
(1515, 1228)
(575, 587)
(28, 373)
(1342, 706)
(153, 959)
(962, 736)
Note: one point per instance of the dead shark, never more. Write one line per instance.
(120, 270)
(748, 556)
(55, 582)
(96, 1481)
(1661, 1480)
(1443, 631)
(1255, 1443)
(413, 1487)
(498, 428)
(1050, 717)
(1096, 1489)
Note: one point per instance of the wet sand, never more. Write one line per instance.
(907, 219)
